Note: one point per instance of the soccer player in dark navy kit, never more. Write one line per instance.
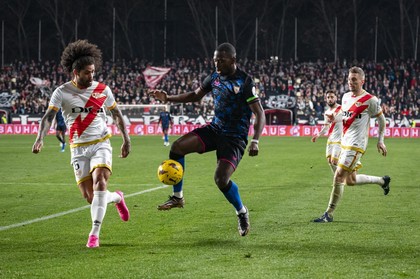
(235, 100)
(165, 120)
(60, 129)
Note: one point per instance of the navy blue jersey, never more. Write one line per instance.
(165, 119)
(232, 96)
(59, 119)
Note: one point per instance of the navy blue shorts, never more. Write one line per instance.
(61, 128)
(230, 149)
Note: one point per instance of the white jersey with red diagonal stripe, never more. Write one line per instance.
(84, 111)
(336, 127)
(357, 111)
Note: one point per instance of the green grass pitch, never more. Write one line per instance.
(44, 221)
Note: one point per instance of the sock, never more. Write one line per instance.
(336, 194)
(232, 195)
(333, 168)
(166, 138)
(112, 197)
(177, 188)
(368, 179)
(60, 139)
(97, 211)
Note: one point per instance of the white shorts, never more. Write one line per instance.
(350, 160)
(85, 159)
(333, 150)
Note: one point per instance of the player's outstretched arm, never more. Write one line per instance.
(44, 127)
(188, 97)
(381, 135)
(119, 121)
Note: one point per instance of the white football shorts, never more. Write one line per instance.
(333, 150)
(349, 160)
(85, 159)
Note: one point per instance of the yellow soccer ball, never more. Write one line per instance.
(170, 172)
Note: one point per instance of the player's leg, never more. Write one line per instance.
(328, 155)
(102, 159)
(363, 179)
(165, 136)
(346, 164)
(229, 154)
(335, 151)
(188, 143)
(58, 135)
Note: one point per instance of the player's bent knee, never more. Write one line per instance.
(221, 182)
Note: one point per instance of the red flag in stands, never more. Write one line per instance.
(152, 75)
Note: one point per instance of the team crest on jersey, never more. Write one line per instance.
(236, 89)
(97, 95)
(358, 104)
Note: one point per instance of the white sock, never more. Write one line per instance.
(335, 197)
(333, 168)
(97, 211)
(242, 210)
(178, 194)
(112, 197)
(368, 179)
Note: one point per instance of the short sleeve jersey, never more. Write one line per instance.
(357, 111)
(232, 96)
(165, 118)
(84, 111)
(335, 128)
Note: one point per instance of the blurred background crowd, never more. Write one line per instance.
(297, 86)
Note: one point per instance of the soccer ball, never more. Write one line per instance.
(170, 172)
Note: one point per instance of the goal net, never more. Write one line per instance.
(142, 114)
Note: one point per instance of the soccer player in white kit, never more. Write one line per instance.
(334, 129)
(357, 106)
(83, 102)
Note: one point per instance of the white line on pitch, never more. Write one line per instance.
(72, 210)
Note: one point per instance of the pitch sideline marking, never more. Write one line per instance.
(72, 210)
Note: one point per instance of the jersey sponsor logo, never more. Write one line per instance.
(86, 110)
(349, 114)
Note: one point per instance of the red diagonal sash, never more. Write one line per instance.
(333, 124)
(356, 109)
(94, 104)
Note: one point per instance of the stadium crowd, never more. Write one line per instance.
(396, 83)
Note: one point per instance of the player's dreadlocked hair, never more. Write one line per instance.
(79, 54)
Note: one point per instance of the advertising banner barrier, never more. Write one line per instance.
(154, 129)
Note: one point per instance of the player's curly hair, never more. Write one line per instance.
(80, 54)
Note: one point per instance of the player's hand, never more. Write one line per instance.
(314, 138)
(253, 149)
(125, 149)
(330, 118)
(158, 94)
(36, 148)
(382, 148)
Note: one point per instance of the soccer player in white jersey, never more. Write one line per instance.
(83, 102)
(357, 106)
(334, 129)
